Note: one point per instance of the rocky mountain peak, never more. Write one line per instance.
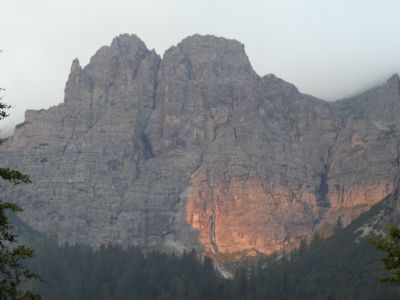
(275, 84)
(127, 45)
(208, 56)
(124, 45)
(394, 82)
(210, 43)
(124, 55)
(75, 67)
(111, 69)
(381, 103)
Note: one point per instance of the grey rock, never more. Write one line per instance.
(197, 150)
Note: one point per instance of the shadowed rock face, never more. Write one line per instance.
(197, 150)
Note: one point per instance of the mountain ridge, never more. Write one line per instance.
(196, 149)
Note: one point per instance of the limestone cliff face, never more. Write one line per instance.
(365, 160)
(197, 150)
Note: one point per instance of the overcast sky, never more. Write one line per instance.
(330, 49)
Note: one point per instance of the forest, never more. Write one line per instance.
(340, 267)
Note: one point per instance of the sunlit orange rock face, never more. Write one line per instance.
(238, 210)
(361, 196)
(244, 217)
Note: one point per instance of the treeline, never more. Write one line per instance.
(110, 272)
(342, 267)
(339, 268)
(323, 270)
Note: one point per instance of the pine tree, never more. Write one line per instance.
(391, 245)
(12, 271)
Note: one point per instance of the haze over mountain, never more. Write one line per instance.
(195, 149)
(327, 49)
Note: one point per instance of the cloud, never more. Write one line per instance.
(329, 49)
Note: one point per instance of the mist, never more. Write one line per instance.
(329, 50)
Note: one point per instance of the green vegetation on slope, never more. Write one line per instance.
(344, 266)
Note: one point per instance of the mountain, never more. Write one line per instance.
(196, 150)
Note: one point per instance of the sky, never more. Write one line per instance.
(329, 49)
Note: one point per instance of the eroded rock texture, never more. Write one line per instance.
(197, 150)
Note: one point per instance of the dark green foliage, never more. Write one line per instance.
(12, 271)
(12, 254)
(339, 268)
(390, 244)
(110, 272)
(14, 176)
(3, 108)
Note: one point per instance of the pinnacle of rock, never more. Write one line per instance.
(394, 82)
(75, 67)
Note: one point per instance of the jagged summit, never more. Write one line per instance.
(394, 77)
(381, 104)
(275, 83)
(75, 66)
(211, 56)
(127, 39)
(124, 44)
(210, 43)
(394, 82)
(124, 47)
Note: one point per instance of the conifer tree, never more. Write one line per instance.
(391, 245)
(12, 254)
